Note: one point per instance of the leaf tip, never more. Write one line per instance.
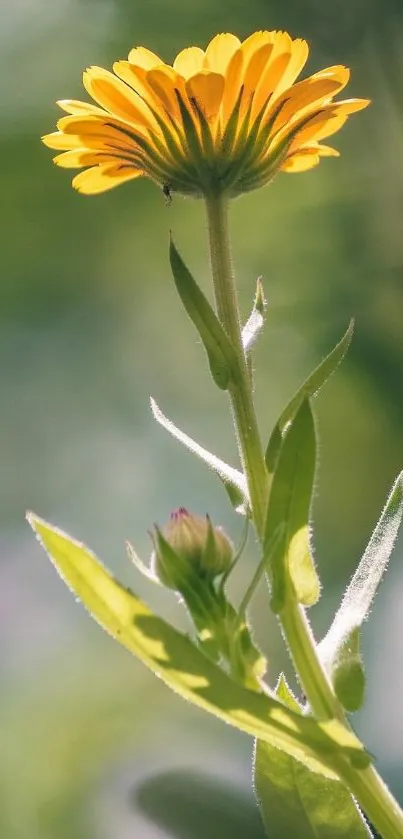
(34, 521)
(260, 298)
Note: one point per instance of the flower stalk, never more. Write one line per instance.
(240, 389)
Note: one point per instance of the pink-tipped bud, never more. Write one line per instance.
(189, 548)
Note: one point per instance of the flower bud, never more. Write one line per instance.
(190, 548)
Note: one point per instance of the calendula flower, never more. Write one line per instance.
(220, 120)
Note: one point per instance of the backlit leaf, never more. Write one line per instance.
(308, 389)
(220, 352)
(291, 562)
(183, 667)
(359, 596)
(297, 803)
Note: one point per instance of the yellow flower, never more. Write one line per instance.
(223, 120)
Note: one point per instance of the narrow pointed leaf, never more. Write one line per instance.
(230, 477)
(220, 352)
(284, 692)
(297, 803)
(183, 667)
(255, 322)
(308, 389)
(140, 565)
(291, 563)
(359, 596)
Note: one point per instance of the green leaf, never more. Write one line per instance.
(348, 675)
(297, 803)
(308, 389)
(183, 667)
(359, 595)
(220, 352)
(255, 322)
(233, 480)
(290, 562)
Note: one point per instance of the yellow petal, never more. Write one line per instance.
(350, 106)
(271, 77)
(314, 91)
(256, 41)
(101, 178)
(327, 151)
(323, 124)
(255, 66)
(232, 86)
(299, 57)
(142, 57)
(207, 88)
(93, 125)
(58, 140)
(74, 107)
(189, 61)
(94, 134)
(320, 126)
(315, 149)
(336, 71)
(116, 97)
(82, 157)
(136, 78)
(163, 80)
(220, 51)
(300, 162)
(77, 158)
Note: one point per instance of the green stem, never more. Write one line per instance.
(314, 681)
(365, 785)
(376, 801)
(240, 391)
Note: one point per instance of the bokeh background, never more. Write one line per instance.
(92, 745)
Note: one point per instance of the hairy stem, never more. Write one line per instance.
(240, 390)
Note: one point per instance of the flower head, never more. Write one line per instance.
(224, 119)
(188, 548)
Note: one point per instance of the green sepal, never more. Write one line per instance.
(347, 673)
(185, 669)
(297, 803)
(308, 389)
(220, 352)
(172, 569)
(206, 136)
(191, 141)
(290, 565)
(230, 132)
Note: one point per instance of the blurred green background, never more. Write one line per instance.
(91, 745)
